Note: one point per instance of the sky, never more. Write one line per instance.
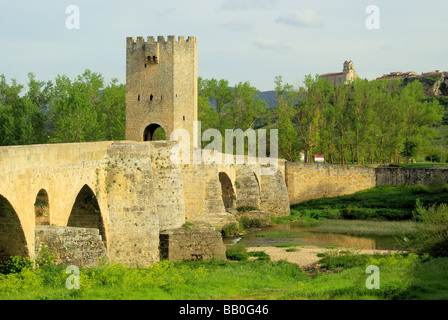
(238, 40)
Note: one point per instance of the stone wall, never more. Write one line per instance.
(133, 220)
(168, 189)
(389, 176)
(307, 181)
(82, 247)
(192, 242)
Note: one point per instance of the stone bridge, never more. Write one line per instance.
(118, 200)
(112, 199)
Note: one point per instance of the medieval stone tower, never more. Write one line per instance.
(161, 86)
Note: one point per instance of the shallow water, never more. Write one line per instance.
(309, 236)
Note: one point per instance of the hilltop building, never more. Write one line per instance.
(348, 74)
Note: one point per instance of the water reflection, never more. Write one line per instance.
(309, 236)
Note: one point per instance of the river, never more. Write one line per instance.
(284, 233)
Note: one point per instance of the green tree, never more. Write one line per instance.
(112, 111)
(23, 122)
(220, 94)
(284, 112)
(74, 108)
(315, 99)
(244, 108)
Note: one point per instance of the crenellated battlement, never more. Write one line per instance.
(160, 39)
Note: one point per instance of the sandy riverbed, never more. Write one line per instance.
(307, 256)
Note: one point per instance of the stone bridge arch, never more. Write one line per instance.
(247, 187)
(154, 132)
(12, 235)
(227, 191)
(86, 212)
(42, 208)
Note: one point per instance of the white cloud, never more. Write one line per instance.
(235, 5)
(236, 26)
(267, 44)
(301, 18)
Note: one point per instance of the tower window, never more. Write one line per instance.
(138, 98)
(151, 97)
(184, 118)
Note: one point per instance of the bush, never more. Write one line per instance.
(251, 222)
(432, 233)
(246, 208)
(230, 230)
(15, 265)
(237, 252)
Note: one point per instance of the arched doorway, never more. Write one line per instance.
(42, 208)
(228, 193)
(86, 212)
(12, 237)
(154, 132)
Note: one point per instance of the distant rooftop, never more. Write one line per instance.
(409, 74)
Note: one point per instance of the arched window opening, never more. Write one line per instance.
(228, 193)
(12, 237)
(154, 132)
(42, 208)
(86, 212)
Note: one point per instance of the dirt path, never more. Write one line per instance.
(307, 256)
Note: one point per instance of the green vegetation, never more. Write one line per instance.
(380, 203)
(362, 121)
(259, 279)
(239, 252)
(230, 230)
(403, 276)
(431, 235)
(79, 110)
(342, 275)
(420, 273)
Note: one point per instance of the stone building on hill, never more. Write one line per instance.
(348, 74)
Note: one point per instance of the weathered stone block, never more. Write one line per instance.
(195, 242)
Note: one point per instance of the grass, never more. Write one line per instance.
(405, 277)
(201, 280)
(367, 228)
(342, 275)
(252, 275)
(418, 165)
(380, 203)
(290, 244)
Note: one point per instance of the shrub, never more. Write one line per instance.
(230, 230)
(432, 233)
(246, 208)
(15, 265)
(237, 252)
(251, 222)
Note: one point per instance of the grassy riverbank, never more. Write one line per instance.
(381, 203)
(339, 274)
